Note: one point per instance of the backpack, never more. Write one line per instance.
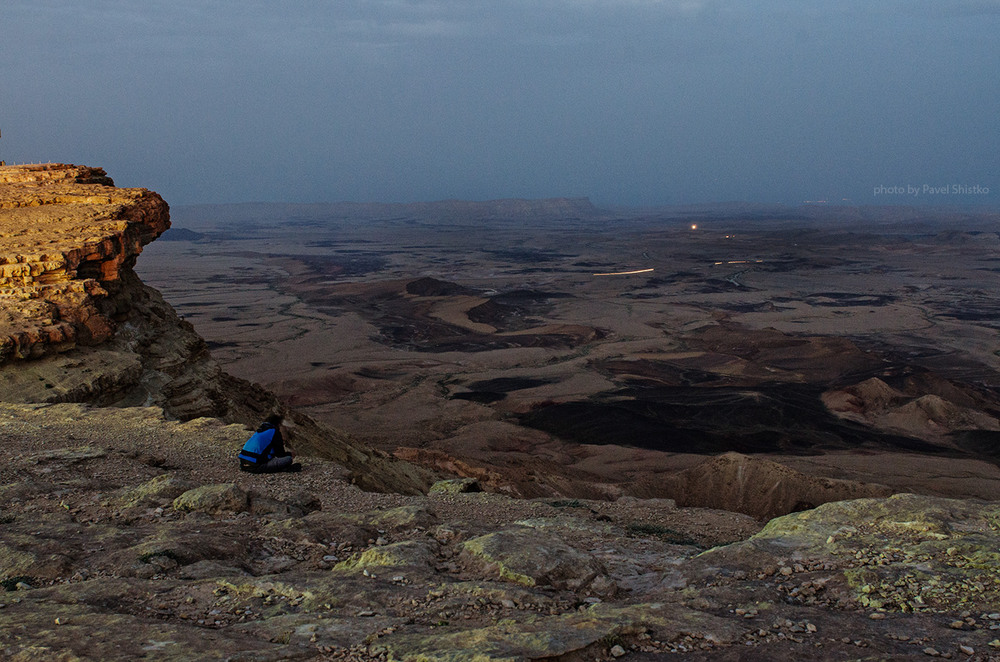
(256, 451)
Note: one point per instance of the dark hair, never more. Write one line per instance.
(274, 419)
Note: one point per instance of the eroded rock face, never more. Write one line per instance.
(67, 237)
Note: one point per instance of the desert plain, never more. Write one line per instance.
(555, 348)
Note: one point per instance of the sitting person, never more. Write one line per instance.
(265, 451)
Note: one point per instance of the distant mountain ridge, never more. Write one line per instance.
(512, 209)
(521, 210)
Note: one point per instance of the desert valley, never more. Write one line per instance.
(553, 348)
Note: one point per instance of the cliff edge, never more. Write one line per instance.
(78, 325)
(67, 239)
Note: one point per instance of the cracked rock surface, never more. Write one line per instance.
(127, 536)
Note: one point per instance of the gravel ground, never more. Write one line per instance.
(139, 444)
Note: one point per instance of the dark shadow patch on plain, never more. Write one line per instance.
(526, 255)
(759, 307)
(482, 397)
(787, 418)
(214, 344)
(493, 390)
(847, 299)
(510, 384)
(340, 266)
(336, 243)
(432, 287)
(981, 443)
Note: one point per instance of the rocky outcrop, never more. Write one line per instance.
(927, 407)
(904, 554)
(78, 325)
(68, 237)
(118, 546)
(758, 487)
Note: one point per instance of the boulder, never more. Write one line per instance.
(157, 491)
(533, 558)
(456, 486)
(414, 553)
(213, 499)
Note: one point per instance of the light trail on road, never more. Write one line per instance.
(626, 273)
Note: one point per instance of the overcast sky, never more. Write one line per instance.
(632, 102)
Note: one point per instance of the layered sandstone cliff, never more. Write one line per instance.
(78, 325)
(67, 237)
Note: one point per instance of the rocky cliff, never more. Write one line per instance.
(77, 324)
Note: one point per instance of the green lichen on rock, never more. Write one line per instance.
(536, 558)
(906, 553)
(395, 555)
(14, 561)
(155, 492)
(957, 575)
(222, 498)
(551, 637)
(485, 549)
(455, 486)
(403, 517)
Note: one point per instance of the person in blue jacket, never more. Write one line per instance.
(265, 451)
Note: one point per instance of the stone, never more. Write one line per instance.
(402, 554)
(403, 517)
(533, 558)
(157, 491)
(222, 498)
(455, 486)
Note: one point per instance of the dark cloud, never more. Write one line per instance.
(628, 101)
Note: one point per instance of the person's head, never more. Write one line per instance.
(274, 420)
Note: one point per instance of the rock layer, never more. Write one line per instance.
(68, 236)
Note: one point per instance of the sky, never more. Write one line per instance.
(628, 102)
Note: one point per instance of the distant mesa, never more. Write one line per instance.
(443, 211)
(181, 234)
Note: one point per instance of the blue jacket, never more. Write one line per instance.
(260, 447)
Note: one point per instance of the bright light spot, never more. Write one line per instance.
(694, 226)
